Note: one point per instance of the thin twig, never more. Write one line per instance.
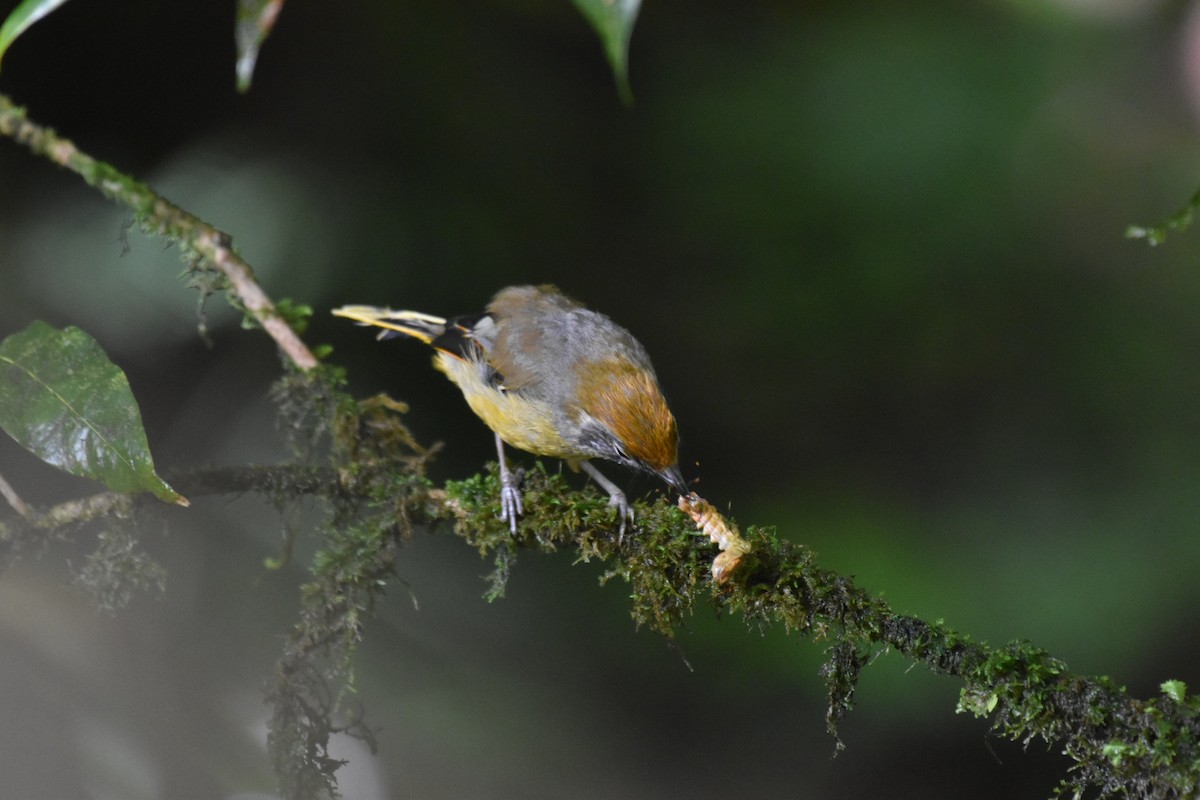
(295, 480)
(13, 498)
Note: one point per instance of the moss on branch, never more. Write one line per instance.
(359, 457)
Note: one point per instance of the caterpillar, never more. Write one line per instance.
(720, 530)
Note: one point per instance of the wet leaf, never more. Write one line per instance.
(64, 401)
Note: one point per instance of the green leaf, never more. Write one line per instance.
(296, 315)
(1176, 690)
(65, 402)
(255, 19)
(613, 21)
(22, 17)
(1115, 752)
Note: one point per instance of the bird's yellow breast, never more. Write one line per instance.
(521, 422)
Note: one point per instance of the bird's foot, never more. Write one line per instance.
(510, 497)
(624, 513)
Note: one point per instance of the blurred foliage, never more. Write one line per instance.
(1157, 234)
(255, 20)
(25, 14)
(613, 21)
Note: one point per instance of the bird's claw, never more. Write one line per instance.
(510, 498)
(624, 513)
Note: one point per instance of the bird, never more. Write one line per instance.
(551, 377)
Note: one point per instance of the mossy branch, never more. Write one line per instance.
(1121, 746)
(211, 249)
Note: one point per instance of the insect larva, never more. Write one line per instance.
(720, 531)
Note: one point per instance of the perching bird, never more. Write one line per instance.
(551, 377)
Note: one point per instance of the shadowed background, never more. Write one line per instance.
(876, 253)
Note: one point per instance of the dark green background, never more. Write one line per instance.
(875, 250)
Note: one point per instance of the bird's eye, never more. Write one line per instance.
(492, 377)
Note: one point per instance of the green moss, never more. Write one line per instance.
(119, 568)
(381, 493)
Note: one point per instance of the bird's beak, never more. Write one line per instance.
(674, 479)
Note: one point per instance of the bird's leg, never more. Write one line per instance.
(510, 490)
(616, 498)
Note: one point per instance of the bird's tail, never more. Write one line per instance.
(424, 327)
